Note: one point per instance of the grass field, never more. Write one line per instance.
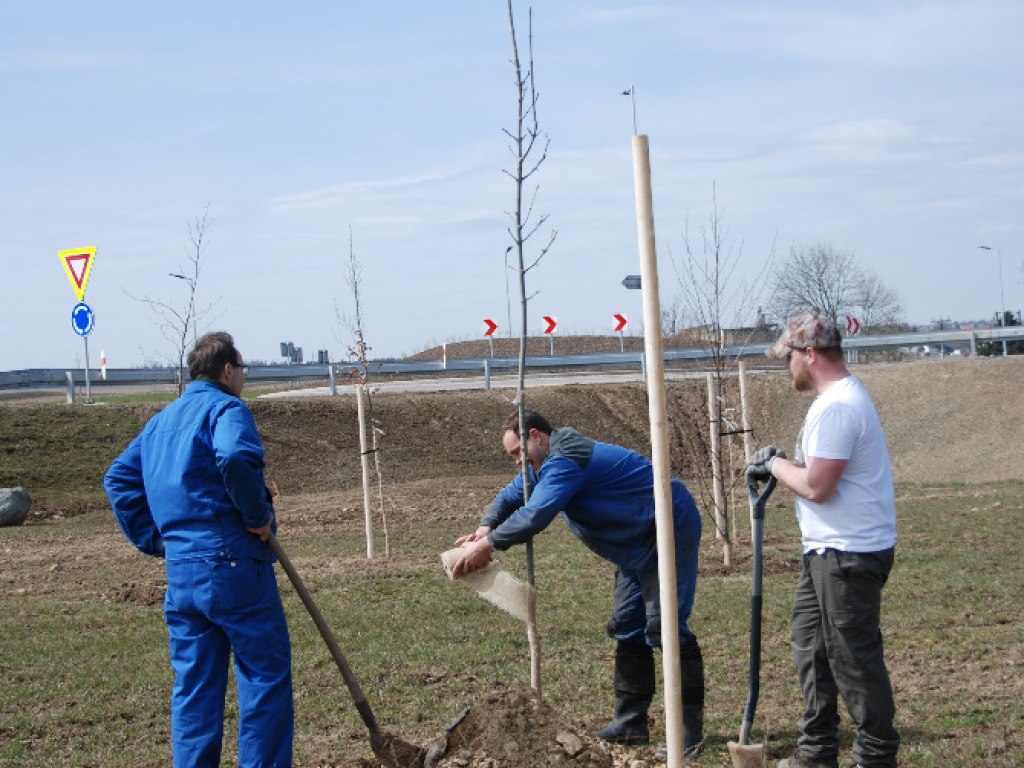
(85, 677)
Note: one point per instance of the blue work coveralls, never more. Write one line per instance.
(606, 494)
(186, 489)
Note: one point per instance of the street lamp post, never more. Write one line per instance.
(1002, 301)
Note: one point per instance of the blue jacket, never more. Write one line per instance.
(192, 481)
(606, 494)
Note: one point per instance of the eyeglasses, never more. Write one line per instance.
(245, 368)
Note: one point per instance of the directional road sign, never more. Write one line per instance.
(620, 322)
(631, 281)
(489, 326)
(852, 325)
(551, 323)
(82, 319)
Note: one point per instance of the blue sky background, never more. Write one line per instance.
(892, 129)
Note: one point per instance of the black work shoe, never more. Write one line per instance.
(626, 733)
(800, 760)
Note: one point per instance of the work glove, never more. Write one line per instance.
(760, 466)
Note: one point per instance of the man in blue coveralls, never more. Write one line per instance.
(606, 494)
(190, 489)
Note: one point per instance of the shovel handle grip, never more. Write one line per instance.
(758, 499)
(362, 705)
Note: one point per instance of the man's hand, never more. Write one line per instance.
(760, 466)
(264, 530)
(475, 555)
(479, 533)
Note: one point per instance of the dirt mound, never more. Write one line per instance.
(510, 728)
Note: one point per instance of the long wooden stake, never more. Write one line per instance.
(718, 486)
(748, 437)
(659, 452)
(364, 460)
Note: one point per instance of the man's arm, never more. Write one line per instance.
(127, 493)
(815, 482)
(239, 456)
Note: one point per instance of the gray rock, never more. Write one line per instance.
(14, 506)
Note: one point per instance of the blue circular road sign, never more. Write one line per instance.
(82, 319)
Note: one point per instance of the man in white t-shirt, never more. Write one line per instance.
(845, 504)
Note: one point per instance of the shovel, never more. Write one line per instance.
(391, 750)
(743, 753)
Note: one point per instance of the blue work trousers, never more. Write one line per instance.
(636, 615)
(213, 608)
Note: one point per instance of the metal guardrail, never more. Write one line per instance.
(58, 377)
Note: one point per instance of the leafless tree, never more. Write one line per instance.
(528, 148)
(875, 303)
(179, 323)
(714, 297)
(359, 349)
(352, 323)
(825, 279)
(718, 301)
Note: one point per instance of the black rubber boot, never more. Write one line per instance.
(634, 690)
(691, 670)
(691, 667)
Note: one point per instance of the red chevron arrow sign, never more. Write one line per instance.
(852, 325)
(552, 323)
(489, 326)
(620, 321)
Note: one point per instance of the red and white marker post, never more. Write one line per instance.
(489, 328)
(551, 323)
(620, 327)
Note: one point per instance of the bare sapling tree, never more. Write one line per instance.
(179, 322)
(718, 301)
(823, 278)
(369, 423)
(529, 150)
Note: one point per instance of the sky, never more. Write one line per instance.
(894, 130)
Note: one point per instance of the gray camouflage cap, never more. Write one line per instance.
(810, 330)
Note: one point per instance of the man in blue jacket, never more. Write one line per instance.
(190, 489)
(606, 494)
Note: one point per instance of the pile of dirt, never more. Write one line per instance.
(510, 728)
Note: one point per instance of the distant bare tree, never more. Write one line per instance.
(876, 303)
(179, 323)
(672, 316)
(825, 279)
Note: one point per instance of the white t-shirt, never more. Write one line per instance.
(861, 515)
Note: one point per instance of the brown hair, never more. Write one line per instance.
(533, 421)
(212, 352)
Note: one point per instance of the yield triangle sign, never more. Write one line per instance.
(77, 263)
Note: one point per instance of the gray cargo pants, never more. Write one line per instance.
(837, 649)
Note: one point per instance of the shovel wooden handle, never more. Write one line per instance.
(362, 705)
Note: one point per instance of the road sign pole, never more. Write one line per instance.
(88, 386)
(490, 343)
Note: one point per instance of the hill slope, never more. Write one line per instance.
(955, 420)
